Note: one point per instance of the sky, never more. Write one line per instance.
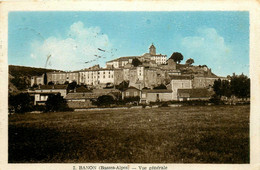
(75, 40)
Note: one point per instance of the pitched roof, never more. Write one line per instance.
(62, 86)
(152, 46)
(81, 95)
(123, 58)
(195, 93)
(131, 87)
(157, 91)
(82, 89)
(105, 91)
(180, 77)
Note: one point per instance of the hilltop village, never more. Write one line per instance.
(151, 77)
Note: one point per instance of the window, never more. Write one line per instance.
(104, 76)
(127, 93)
(135, 93)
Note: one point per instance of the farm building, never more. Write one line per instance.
(194, 94)
(44, 91)
(131, 92)
(155, 95)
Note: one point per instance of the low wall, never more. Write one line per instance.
(78, 104)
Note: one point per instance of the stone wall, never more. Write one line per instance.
(152, 97)
(180, 84)
(118, 76)
(202, 82)
(80, 104)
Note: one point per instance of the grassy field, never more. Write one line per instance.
(189, 134)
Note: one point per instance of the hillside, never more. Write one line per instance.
(20, 77)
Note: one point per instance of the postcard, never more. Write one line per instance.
(140, 85)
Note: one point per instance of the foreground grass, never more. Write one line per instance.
(192, 134)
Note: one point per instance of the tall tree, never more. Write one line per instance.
(45, 79)
(217, 87)
(240, 86)
(177, 57)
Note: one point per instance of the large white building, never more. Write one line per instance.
(95, 77)
(122, 61)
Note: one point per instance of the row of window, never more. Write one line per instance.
(93, 77)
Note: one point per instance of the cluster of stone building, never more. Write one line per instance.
(183, 81)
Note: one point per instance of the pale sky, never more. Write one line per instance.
(219, 40)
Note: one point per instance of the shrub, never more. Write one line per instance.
(132, 99)
(56, 103)
(20, 103)
(105, 100)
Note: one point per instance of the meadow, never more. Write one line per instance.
(188, 134)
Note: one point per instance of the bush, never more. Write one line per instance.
(132, 99)
(164, 104)
(161, 86)
(20, 103)
(216, 100)
(105, 100)
(56, 103)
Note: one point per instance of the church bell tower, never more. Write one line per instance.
(152, 50)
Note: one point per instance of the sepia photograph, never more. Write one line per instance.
(129, 87)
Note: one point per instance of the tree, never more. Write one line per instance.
(20, 103)
(132, 99)
(56, 103)
(161, 86)
(190, 61)
(136, 62)
(109, 86)
(72, 85)
(45, 79)
(240, 86)
(217, 87)
(177, 57)
(123, 85)
(35, 86)
(105, 100)
(50, 83)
